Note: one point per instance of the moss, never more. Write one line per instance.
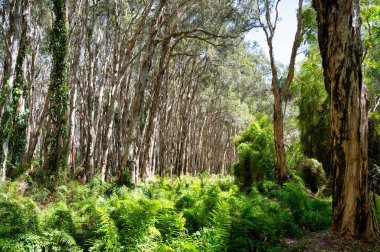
(59, 96)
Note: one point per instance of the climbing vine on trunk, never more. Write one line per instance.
(56, 146)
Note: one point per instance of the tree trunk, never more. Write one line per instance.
(278, 124)
(13, 37)
(280, 90)
(137, 107)
(57, 142)
(340, 45)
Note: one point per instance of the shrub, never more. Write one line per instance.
(313, 174)
(17, 217)
(170, 223)
(61, 218)
(374, 151)
(256, 153)
(317, 216)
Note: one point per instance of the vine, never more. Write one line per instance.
(57, 142)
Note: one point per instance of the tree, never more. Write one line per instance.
(146, 87)
(12, 103)
(340, 45)
(256, 153)
(280, 85)
(56, 140)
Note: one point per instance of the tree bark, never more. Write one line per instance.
(13, 39)
(341, 50)
(57, 142)
(280, 90)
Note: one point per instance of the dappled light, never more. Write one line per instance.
(183, 125)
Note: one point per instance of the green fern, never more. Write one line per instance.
(58, 240)
(8, 245)
(170, 223)
(215, 237)
(220, 219)
(109, 232)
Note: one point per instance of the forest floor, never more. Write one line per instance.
(326, 241)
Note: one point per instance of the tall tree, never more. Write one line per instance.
(340, 45)
(12, 11)
(280, 85)
(57, 133)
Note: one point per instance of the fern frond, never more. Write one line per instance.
(110, 240)
(220, 219)
(215, 237)
(7, 245)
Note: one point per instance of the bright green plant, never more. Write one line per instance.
(185, 215)
(256, 153)
(313, 105)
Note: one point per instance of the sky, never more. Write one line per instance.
(284, 35)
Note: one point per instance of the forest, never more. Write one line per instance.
(155, 125)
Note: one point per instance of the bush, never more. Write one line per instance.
(317, 215)
(256, 153)
(18, 215)
(22, 229)
(313, 174)
(313, 215)
(61, 218)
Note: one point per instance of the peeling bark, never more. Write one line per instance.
(341, 50)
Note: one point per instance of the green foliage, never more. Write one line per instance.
(170, 223)
(309, 26)
(57, 149)
(377, 198)
(17, 217)
(374, 150)
(23, 227)
(312, 215)
(370, 13)
(217, 234)
(61, 218)
(207, 213)
(313, 174)
(313, 104)
(256, 153)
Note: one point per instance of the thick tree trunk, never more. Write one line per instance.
(340, 44)
(20, 89)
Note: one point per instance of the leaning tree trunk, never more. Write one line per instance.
(340, 45)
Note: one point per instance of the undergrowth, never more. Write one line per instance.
(207, 213)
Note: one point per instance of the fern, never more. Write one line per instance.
(64, 238)
(215, 237)
(8, 245)
(220, 219)
(170, 224)
(58, 240)
(109, 231)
